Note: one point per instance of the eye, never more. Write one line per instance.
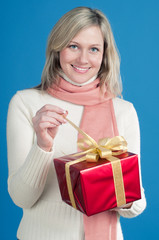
(94, 49)
(73, 46)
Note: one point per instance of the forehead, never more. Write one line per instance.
(90, 35)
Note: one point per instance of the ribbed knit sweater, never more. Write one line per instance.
(32, 181)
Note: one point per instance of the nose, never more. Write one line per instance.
(83, 57)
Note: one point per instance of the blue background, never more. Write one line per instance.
(25, 25)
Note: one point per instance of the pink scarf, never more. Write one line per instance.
(98, 121)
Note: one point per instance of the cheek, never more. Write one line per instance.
(97, 61)
(62, 57)
(65, 56)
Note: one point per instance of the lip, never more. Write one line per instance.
(80, 69)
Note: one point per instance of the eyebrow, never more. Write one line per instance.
(93, 44)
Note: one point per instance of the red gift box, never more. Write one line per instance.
(93, 182)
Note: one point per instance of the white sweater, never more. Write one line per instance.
(32, 182)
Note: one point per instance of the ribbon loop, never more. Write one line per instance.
(104, 152)
(92, 157)
(104, 148)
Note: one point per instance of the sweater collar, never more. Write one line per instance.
(78, 84)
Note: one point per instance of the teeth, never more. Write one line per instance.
(80, 69)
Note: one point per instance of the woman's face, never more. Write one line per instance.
(82, 58)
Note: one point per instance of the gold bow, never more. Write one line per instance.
(106, 148)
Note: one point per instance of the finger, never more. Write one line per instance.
(46, 125)
(50, 119)
(51, 115)
(51, 108)
(65, 114)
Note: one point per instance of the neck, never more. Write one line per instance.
(78, 84)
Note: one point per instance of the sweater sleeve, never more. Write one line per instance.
(132, 136)
(28, 164)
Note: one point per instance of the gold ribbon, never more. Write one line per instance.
(106, 148)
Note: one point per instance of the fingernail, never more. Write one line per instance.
(64, 111)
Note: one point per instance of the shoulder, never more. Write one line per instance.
(126, 115)
(28, 101)
(123, 107)
(121, 103)
(27, 95)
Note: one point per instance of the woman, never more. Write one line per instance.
(81, 78)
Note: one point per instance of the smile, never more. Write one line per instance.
(79, 69)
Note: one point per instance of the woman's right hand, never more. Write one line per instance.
(46, 123)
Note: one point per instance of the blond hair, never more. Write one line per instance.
(65, 30)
